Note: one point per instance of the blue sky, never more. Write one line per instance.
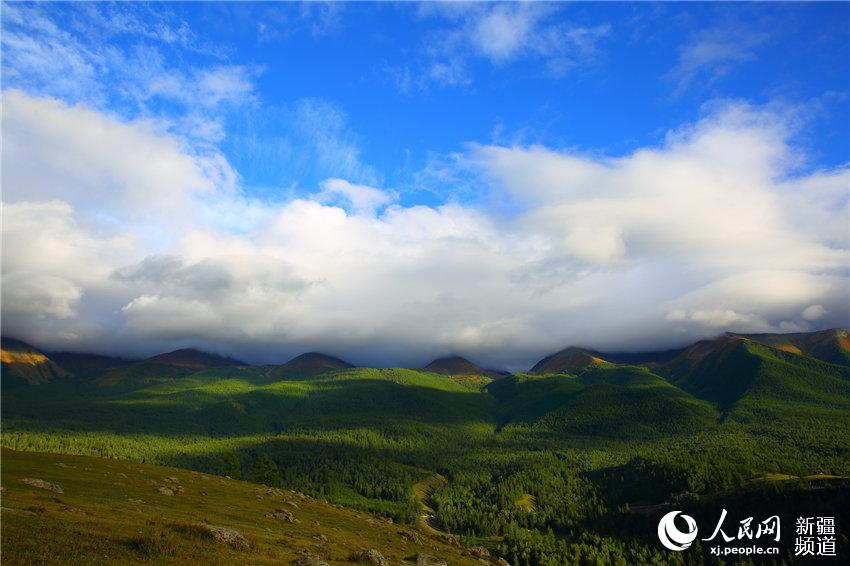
(630, 73)
(492, 117)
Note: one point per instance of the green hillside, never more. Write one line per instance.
(625, 402)
(60, 509)
(497, 463)
(740, 374)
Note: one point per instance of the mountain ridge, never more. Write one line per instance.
(310, 363)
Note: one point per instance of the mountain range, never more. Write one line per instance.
(26, 362)
(573, 461)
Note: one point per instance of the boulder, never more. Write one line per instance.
(450, 539)
(309, 561)
(225, 535)
(282, 515)
(374, 558)
(423, 559)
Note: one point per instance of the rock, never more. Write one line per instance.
(292, 503)
(43, 485)
(503, 562)
(309, 561)
(321, 538)
(282, 515)
(172, 479)
(374, 558)
(480, 552)
(165, 491)
(423, 559)
(449, 539)
(411, 537)
(225, 535)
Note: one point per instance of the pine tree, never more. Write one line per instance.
(232, 465)
(265, 471)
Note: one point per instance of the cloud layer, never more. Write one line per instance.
(121, 237)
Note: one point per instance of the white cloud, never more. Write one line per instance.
(209, 87)
(709, 231)
(500, 33)
(99, 164)
(813, 312)
(713, 52)
(361, 199)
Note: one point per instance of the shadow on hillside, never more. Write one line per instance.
(379, 405)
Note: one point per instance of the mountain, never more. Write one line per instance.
(191, 359)
(454, 365)
(831, 345)
(602, 401)
(311, 363)
(568, 360)
(734, 371)
(87, 364)
(25, 363)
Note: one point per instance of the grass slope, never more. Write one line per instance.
(79, 525)
(360, 436)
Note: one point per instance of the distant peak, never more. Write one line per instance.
(311, 363)
(568, 359)
(454, 365)
(192, 358)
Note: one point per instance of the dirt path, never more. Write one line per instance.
(422, 492)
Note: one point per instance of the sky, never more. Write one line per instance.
(392, 182)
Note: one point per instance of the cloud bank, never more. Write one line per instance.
(119, 237)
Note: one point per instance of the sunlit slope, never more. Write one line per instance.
(164, 512)
(568, 360)
(21, 363)
(831, 345)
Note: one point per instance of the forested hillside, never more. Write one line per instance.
(539, 468)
